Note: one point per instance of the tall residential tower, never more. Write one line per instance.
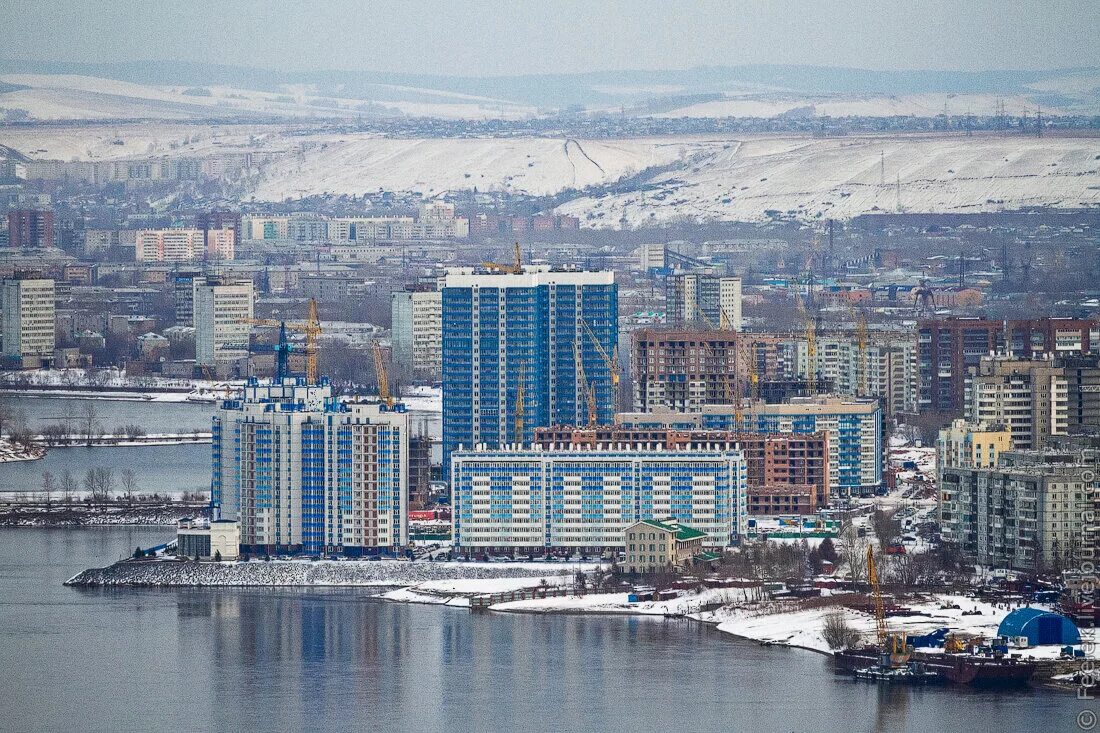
(537, 337)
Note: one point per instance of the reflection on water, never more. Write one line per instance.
(294, 659)
(157, 468)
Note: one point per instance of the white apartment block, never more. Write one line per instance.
(537, 499)
(222, 309)
(417, 332)
(29, 318)
(183, 245)
(886, 366)
(304, 472)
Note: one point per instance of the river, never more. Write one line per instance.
(285, 659)
(158, 469)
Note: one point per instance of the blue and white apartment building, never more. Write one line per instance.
(501, 329)
(854, 428)
(538, 499)
(303, 472)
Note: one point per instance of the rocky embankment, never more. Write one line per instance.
(303, 573)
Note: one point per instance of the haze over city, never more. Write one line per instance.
(549, 366)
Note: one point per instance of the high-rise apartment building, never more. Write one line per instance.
(711, 300)
(532, 500)
(799, 463)
(884, 366)
(304, 472)
(184, 245)
(416, 331)
(30, 228)
(29, 320)
(223, 306)
(537, 338)
(947, 348)
(1030, 513)
(1027, 396)
(854, 428)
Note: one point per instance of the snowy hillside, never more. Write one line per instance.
(357, 164)
(846, 177)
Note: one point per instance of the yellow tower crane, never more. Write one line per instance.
(383, 377)
(811, 355)
(893, 644)
(520, 407)
(311, 327)
(612, 362)
(583, 386)
(513, 269)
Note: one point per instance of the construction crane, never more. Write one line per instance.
(612, 361)
(513, 269)
(583, 386)
(311, 327)
(731, 389)
(894, 644)
(383, 377)
(861, 341)
(811, 355)
(520, 389)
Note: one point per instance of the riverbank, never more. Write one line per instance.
(418, 578)
(78, 512)
(11, 452)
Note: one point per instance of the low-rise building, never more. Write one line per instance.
(219, 539)
(652, 545)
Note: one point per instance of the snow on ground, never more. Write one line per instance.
(803, 628)
(846, 177)
(619, 603)
(361, 163)
(75, 97)
(303, 572)
(10, 452)
(917, 105)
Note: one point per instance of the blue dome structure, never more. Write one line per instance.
(1040, 627)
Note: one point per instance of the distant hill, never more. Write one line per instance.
(595, 89)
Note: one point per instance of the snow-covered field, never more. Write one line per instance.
(74, 97)
(360, 164)
(846, 177)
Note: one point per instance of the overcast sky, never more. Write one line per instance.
(516, 36)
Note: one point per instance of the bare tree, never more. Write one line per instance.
(48, 487)
(853, 549)
(885, 526)
(838, 633)
(68, 485)
(129, 485)
(89, 419)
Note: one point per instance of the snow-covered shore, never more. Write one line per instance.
(10, 452)
(300, 572)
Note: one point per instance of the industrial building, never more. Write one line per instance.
(303, 472)
(535, 499)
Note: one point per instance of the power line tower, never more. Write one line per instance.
(1038, 121)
